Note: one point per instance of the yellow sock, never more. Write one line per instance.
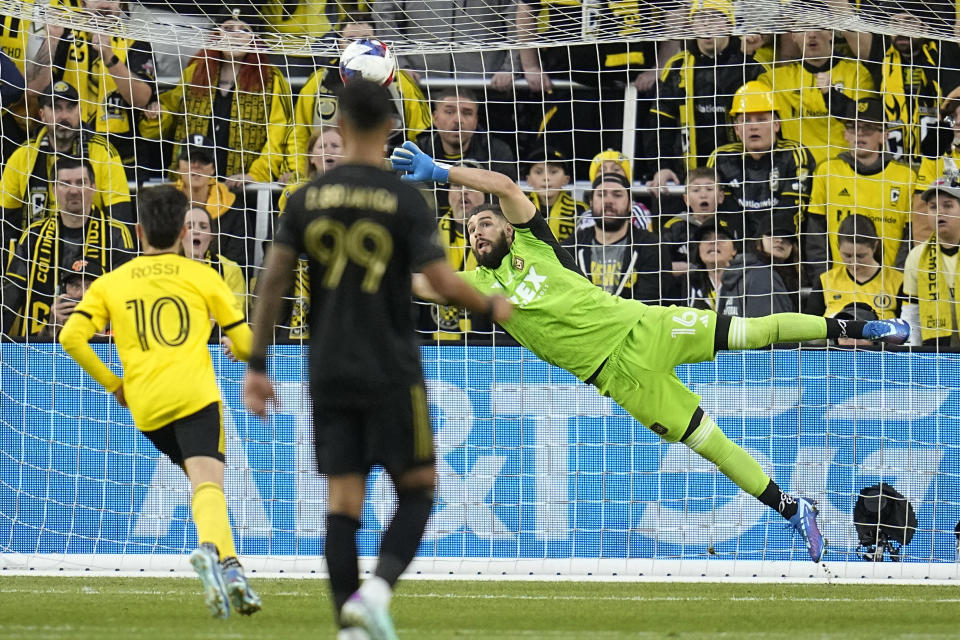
(213, 522)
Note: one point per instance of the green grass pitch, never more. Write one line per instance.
(95, 608)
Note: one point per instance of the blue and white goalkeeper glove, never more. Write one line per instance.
(418, 166)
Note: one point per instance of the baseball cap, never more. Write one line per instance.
(866, 110)
(550, 155)
(722, 6)
(197, 147)
(610, 156)
(717, 227)
(82, 268)
(59, 90)
(945, 184)
(860, 311)
(776, 227)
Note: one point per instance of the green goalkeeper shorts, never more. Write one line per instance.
(639, 374)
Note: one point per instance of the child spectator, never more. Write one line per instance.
(201, 243)
(712, 251)
(753, 284)
(74, 282)
(703, 197)
(547, 173)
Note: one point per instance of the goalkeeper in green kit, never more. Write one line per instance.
(627, 349)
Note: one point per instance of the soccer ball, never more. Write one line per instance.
(370, 59)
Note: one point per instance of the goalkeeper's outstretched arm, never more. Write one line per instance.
(420, 167)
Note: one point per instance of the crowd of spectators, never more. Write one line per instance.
(812, 171)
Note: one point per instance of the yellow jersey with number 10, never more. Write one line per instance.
(159, 308)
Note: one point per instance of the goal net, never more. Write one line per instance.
(775, 155)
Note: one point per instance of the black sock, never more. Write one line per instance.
(341, 552)
(776, 499)
(402, 537)
(844, 328)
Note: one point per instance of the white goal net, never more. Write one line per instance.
(776, 155)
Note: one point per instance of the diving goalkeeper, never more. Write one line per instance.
(628, 350)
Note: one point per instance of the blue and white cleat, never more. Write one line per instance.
(245, 600)
(357, 612)
(207, 565)
(894, 331)
(805, 522)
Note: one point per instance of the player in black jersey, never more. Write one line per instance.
(363, 231)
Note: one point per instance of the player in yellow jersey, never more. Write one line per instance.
(159, 307)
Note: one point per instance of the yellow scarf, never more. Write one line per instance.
(219, 198)
(687, 115)
(936, 317)
(43, 279)
(248, 112)
(451, 319)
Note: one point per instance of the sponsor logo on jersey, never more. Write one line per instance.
(844, 193)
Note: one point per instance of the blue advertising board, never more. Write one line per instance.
(531, 463)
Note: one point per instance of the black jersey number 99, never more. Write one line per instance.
(149, 323)
(365, 242)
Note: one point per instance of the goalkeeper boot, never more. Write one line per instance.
(245, 600)
(358, 612)
(805, 522)
(206, 563)
(894, 331)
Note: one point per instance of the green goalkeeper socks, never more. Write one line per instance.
(738, 465)
(731, 459)
(754, 333)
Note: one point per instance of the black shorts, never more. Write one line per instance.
(199, 434)
(393, 431)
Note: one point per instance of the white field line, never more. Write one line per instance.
(503, 596)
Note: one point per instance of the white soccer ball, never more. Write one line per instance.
(370, 59)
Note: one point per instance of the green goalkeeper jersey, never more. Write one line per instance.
(559, 315)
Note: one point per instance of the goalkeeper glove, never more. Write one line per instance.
(418, 166)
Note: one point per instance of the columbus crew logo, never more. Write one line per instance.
(774, 180)
(882, 301)
(894, 195)
(326, 108)
(446, 317)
